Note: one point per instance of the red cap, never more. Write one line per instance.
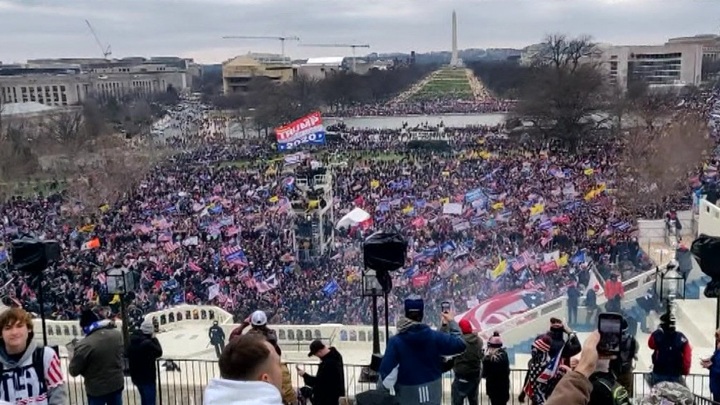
(465, 326)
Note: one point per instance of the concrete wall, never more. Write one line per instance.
(708, 219)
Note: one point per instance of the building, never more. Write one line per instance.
(67, 82)
(239, 71)
(656, 65)
(319, 68)
(709, 42)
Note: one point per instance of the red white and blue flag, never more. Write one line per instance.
(307, 129)
(234, 255)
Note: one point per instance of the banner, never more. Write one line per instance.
(308, 129)
(500, 308)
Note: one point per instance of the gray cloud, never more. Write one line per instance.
(47, 28)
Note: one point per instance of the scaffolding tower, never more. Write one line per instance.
(314, 214)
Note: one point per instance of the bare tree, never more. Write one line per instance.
(565, 96)
(656, 161)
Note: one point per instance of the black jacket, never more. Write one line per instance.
(143, 352)
(496, 371)
(329, 383)
(469, 363)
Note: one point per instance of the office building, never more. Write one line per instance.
(239, 71)
(320, 68)
(710, 44)
(657, 65)
(67, 82)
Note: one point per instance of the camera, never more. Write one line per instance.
(32, 255)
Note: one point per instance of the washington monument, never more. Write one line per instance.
(454, 61)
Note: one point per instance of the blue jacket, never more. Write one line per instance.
(715, 373)
(418, 351)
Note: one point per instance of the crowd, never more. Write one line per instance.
(428, 107)
(486, 217)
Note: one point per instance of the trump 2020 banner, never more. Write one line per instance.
(308, 129)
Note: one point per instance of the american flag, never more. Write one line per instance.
(551, 370)
(232, 230)
(234, 255)
(54, 375)
(171, 246)
(193, 266)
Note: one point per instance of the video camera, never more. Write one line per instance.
(31, 255)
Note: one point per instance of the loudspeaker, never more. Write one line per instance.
(384, 251)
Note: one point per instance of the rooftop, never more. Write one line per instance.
(328, 60)
(31, 107)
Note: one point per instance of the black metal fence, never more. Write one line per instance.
(185, 384)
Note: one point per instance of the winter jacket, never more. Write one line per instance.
(21, 382)
(229, 392)
(672, 354)
(496, 372)
(143, 352)
(329, 383)
(469, 363)
(98, 357)
(569, 347)
(416, 350)
(573, 389)
(289, 396)
(715, 373)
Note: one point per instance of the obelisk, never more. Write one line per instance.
(454, 59)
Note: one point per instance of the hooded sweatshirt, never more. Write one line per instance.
(229, 392)
(417, 351)
(46, 389)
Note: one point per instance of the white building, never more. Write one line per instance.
(656, 65)
(319, 68)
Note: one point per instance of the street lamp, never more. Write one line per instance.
(371, 288)
(671, 282)
(120, 281)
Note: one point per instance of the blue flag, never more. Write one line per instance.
(331, 288)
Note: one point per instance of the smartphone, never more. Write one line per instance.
(610, 328)
(445, 306)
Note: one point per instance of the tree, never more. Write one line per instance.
(656, 161)
(503, 78)
(565, 94)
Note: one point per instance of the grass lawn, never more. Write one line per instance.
(446, 83)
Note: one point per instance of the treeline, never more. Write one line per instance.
(503, 78)
(271, 104)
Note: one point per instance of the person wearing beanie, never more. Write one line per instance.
(412, 364)
(143, 352)
(98, 357)
(536, 390)
(467, 367)
(496, 371)
(672, 353)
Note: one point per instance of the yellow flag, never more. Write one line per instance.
(445, 173)
(445, 200)
(562, 261)
(115, 300)
(499, 269)
(104, 208)
(484, 154)
(407, 209)
(374, 184)
(590, 195)
(590, 232)
(87, 228)
(589, 172)
(537, 209)
(274, 199)
(498, 205)
(313, 204)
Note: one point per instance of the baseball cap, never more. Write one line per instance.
(315, 347)
(258, 318)
(465, 326)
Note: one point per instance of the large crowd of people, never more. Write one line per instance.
(428, 107)
(488, 216)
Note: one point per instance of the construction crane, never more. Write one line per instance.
(281, 39)
(106, 51)
(351, 46)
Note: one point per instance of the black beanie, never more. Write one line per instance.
(87, 318)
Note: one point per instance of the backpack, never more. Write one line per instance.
(619, 393)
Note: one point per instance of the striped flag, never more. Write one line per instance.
(234, 255)
(551, 369)
(171, 247)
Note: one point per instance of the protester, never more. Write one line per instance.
(414, 356)
(30, 374)
(622, 367)
(250, 373)
(328, 385)
(672, 353)
(566, 348)
(713, 364)
(98, 357)
(217, 338)
(575, 387)
(467, 367)
(143, 352)
(496, 371)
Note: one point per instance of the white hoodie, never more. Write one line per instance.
(228, 392)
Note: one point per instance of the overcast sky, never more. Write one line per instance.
(193, 28)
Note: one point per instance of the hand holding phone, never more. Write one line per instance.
(445, 306)
(610, 329)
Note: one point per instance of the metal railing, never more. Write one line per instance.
(186, 386)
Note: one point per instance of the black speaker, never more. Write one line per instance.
(31, 255)
(706, 250)
(384, 251)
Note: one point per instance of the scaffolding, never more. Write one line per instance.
(314, 231)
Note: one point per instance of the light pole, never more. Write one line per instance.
(670, 283)
(120, 281)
